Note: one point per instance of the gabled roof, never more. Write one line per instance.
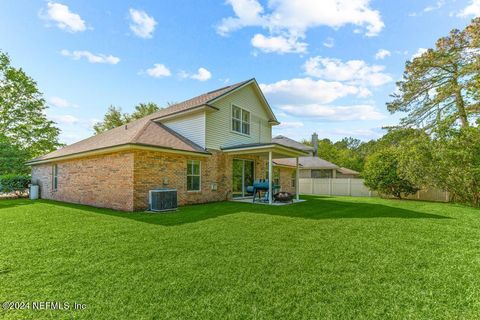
(210, 97)
(198, 101)
(291, 143)
(344, 170)
(146, 131)
(308, 163)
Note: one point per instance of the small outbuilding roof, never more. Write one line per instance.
(344, 170)
(291, 143)
(308, 163)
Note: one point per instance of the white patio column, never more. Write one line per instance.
(297, 180)
(270, 191)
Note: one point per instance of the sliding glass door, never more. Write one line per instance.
(243, 176)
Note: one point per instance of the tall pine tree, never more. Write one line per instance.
(442, 85)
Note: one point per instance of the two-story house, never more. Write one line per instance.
(209, 148)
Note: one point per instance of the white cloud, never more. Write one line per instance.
(65, 119)
(473, 9)
(142, 24)
(202, 74)
(61, 103)
(352, 71)
(329, 43)
(291, 19)
(63, 17)
(419, 52)
(307, 90)
(438, 5)
(92, 58)
(335, 113)
(278, 44)
(290, 125)
(248, 13)
(158, 71)
(433, 7)
(382, 54)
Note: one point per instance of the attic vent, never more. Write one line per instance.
(162, 199)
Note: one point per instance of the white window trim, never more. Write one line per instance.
(192, 175)
(241, 120)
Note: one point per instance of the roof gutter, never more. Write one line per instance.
(119, 148)
(265, 147)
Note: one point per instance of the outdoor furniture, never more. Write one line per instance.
(259, 186)
(283, 197)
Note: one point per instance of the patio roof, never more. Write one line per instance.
(286, 141)
(278, 151)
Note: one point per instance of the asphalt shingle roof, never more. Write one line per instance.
(308, 163)
(145, 131)
(291, 143)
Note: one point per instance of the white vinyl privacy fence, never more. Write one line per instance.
(334, 187)
(356, 188)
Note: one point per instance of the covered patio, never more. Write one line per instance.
(269, 152)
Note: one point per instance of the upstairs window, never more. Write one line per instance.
(54, 177)
(193, 175)
(240, 120)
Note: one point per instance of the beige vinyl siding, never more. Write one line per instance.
(219, 123)
(191, 127)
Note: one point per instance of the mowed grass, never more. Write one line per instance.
(348, 258)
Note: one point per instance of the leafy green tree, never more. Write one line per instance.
(348, 143)
(112, 119)
(22, 114)
(344, 153)
(115, 118)
(448, 160)
(144, 109)
(12, 157)
(441, 85)
(381, 174)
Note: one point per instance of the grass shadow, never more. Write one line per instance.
(11, 203)
(315, 208)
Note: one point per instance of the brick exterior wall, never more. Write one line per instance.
(286, 179)
(122, 180)
(162, 170)
(100, 181)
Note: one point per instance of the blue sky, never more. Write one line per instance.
(326, 66)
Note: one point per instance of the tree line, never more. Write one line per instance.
(437, 143)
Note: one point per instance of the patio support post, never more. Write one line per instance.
(270, 190)
(297, 179)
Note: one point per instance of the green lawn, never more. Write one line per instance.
(325, 258)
